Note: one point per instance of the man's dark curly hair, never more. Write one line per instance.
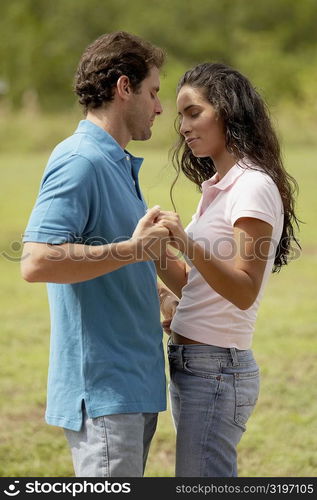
(249, 134)
(109, 57)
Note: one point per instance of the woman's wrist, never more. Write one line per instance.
(189, 247)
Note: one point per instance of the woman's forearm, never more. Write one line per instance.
(235, 285)
(173, 272)
(239, 282)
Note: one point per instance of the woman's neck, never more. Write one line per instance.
(224, 163)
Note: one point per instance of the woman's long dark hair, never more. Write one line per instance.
(249, 133)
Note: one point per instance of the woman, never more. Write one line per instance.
(242, 230)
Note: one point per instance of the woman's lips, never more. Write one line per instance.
(190, 140)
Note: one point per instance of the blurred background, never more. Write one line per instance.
(274, 43)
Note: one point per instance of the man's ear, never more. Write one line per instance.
(124, 87)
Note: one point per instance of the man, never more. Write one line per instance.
(106, 381)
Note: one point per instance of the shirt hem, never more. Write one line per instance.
(230, 339)
(49, 237)
(75, 424)
(254, 214)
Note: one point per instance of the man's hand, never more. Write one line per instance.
(178, 236)
(149, 237)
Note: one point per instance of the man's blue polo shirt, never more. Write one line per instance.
(106, 337)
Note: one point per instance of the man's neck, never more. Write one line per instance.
(109, 120)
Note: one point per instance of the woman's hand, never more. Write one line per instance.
(168, 302)
(171, 221)
(168, 308)
(149, 237)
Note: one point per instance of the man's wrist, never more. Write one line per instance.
(125, 251)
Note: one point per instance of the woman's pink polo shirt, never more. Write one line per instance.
(202, 314)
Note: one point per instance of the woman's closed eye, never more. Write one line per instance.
(192, 115)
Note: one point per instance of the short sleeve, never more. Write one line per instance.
(68, 203)
(256, 195)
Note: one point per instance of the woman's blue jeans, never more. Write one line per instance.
(213, 391)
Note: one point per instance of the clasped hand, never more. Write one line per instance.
(157, 229)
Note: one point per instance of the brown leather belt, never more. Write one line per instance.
(179, 339)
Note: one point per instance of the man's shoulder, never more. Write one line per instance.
(73, 159)
(78, 145)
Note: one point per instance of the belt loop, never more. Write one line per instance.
(181, 354)
(234, 357)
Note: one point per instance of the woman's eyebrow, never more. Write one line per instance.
(187, 108)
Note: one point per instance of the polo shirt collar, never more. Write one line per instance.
(227, 181)
(105, 141)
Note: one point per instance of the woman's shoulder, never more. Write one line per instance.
(255, 176)
(255, 184)
(255, 172)
(255, 193)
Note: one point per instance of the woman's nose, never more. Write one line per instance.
(184, 127)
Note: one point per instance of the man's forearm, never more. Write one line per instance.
(72, 262)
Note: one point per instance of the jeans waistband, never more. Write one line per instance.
(205, 350)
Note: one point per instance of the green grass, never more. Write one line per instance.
(281, 438)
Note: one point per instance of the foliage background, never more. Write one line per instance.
(274, 43)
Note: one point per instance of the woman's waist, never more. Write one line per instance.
(222, 333)
(176, 338)
(208, 352)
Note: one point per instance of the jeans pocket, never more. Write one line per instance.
(201, 367)
(247, 387)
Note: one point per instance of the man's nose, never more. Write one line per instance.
(158, 107)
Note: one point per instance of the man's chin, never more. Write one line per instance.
(145, 136)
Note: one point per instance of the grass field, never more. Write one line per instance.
(281, 439)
